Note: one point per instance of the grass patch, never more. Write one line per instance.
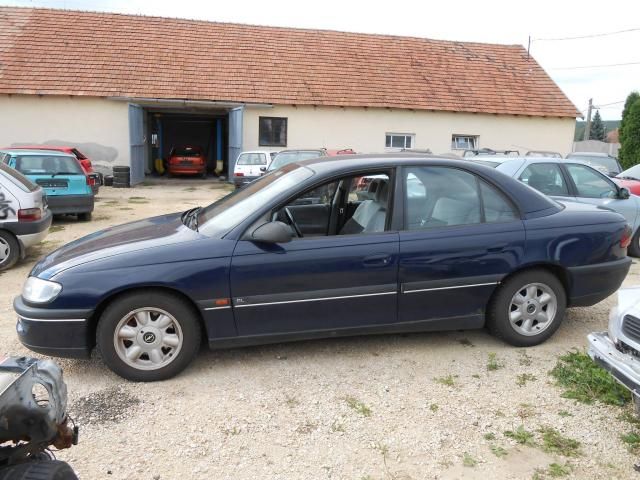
(125, 208)
(564, 413)
(101, 217)
(554, 442)
(555, 470)
(521, 436)
(434, 407)
(358, 406)
(449, 380)
(525, 360)
(111, 202)
(56, 228)
(523, 378)
(498, 451)
(525, 410)
(138, 200)
(489, 436)
(584, 381)
(476, 375)
(468, 460)
(629, 418)
(493, 363)
(631, 440)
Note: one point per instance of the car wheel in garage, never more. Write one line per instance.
(634, 246)
(148, 335)
(108, 180)
(39, 470)
(9, 250)
(527, 308)
(121, 169)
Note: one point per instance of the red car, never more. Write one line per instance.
(94, 178)
(630, 179)
(187, 160)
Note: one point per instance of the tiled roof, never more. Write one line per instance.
(61, 52)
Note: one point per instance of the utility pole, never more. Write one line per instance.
(587, 129)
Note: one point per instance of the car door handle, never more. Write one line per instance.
(376, 260)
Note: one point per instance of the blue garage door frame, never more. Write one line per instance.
(137, 143)
(235, 138)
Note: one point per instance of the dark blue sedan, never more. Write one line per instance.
(327, 247)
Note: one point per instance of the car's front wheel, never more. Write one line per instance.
(527, 308)
(148, 335)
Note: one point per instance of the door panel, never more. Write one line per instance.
(311, 284)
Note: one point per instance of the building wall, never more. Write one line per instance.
(99, 128)
(364, 129)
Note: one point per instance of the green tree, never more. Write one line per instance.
(597, 128)
(630, 143)
(631, 99)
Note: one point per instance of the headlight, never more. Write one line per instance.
(36, 290)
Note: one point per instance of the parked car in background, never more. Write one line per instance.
(617, 349)
(95, 178)
(440, 245)
(489, 152)
(187, 160)
(24, 216)
(601, 161)
(630, 178)
(67, 187)
(285, 157)
(543, 153)
(568, 179)
(251, 165)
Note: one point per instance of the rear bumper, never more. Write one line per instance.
(591, 284)
(59, 333)
(30, 233)
(60, 204)
(241, 181)
(186, 170)
(625, 368)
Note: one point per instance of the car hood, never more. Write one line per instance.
(130, 237)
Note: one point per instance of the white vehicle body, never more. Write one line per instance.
(24, 216)
(250, 165)
(618, 349)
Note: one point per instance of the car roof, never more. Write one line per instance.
(60, 148)
(256, 151)
(589, 154)
(528, 199)
(51, 153)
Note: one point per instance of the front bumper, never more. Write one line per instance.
(55, 332)
(624, 367)
(590, 284)
(64, 204)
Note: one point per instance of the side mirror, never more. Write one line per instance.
(623, 193)
(272, 232)
(263, 169)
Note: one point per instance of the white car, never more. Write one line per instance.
(24, 216)
(618, 349)
(251, 165)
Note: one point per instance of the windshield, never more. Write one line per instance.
(23, 182)
(186, 152)
(235, 207)
(45, 164)
(608, 163)
(252, 159)
(285, 158)
(633, 173)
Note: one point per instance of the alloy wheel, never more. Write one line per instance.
(533, 309)
(5, 250)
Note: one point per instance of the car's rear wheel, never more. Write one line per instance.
(39, 470)
(148, 336)
(634, 246)
(84, 217)
(9, 250)
(527, 308)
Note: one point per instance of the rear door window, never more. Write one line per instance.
(546, 178)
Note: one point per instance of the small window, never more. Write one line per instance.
(496, 207)
(399, 140)
(252, 159)
(272, 131)
(590, 183)
(546, 178)
(464, 142)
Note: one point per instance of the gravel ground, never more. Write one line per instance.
(356, 408)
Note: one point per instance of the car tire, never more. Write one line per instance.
(9, 250)
(108, 181)
(519, 306)
(121, 169)
(84, 217)
(39, 470)
(634, 246)
(117, 184)
(121, 176)
(160, 332)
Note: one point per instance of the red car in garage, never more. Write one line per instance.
(187, 160)
(94, 177)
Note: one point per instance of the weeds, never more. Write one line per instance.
(56, 228)
(521, 436)
(358, 406)
(468, 460)
(498, 451)
(489, 436)
(493, 363)
(584, 381)
(523, 378)
(564, 413)
(434, 407)
(449, 380)
(554, 442)
(525, 360)
(632, 440)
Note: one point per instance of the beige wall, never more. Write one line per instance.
(364, 129)
(98, 127)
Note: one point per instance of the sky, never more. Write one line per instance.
(584, 68)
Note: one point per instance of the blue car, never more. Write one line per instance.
(436, 244)
(60, 174)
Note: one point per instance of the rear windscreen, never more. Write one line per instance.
(252, 159)
(187, 152)
(49, 165)
(20, 180)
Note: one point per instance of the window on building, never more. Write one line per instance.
(272, 131)
(399, 140)
(464, 142)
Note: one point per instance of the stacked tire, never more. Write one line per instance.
(121, 177)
